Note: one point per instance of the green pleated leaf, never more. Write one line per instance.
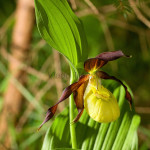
(59, 26)
(91, 135)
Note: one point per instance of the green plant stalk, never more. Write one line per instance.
(71, 112)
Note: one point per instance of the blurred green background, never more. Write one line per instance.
(116, 27)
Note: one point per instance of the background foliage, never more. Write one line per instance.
(126, 33)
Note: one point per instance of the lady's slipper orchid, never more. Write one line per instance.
(88, 92)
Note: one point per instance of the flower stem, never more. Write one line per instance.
(71, 106)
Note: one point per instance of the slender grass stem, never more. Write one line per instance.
(71, 104)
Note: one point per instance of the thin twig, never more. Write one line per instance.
(145, 8)
(23, 66)
(45, 68)
(114, 22)
(73, 4)
(26, 94)
(139, 14)
(46, 64)
(141, 32)
(30, 107)
(125, 25)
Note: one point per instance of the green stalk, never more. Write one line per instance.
(71, 107)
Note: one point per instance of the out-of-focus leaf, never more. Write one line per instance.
(95, 37)
(59, 26)
(120, 134)
(31, 139)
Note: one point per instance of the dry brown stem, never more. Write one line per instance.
(30, 107)
(73, 4)
(139, 15)
(21, 38)
(145, 8)
(55, 81)
(142, 33)
(23, 66)
(115, 22)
